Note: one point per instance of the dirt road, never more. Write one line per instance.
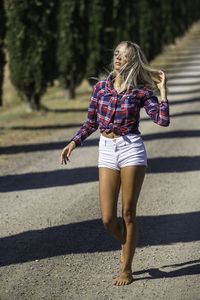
(53, 244)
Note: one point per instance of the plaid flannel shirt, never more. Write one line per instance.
(120, 112)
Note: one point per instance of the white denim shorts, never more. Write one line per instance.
(126, 150)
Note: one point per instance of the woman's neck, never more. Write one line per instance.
(118, 80)
(119, 83)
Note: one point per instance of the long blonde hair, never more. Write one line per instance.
(137, 71)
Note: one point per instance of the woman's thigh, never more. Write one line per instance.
(132, 178)
(109, 187)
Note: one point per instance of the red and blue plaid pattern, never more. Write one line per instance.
(120, 113)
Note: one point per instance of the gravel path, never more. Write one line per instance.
(53, 244)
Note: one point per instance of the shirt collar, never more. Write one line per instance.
(110, 87)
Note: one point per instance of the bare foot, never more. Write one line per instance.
(124, 279)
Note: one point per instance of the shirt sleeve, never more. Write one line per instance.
(158, 112)
(91, 124)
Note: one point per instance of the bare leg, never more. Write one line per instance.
(124, 231)
(109, 187)
(131, 178)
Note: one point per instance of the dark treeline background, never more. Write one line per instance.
(72, 40)
(2, 52)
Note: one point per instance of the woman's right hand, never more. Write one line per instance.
(66, 152)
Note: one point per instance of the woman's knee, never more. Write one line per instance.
(129, 217)
(109, 223)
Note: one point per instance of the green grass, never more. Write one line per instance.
(16, 124)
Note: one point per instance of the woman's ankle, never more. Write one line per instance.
(127, 269)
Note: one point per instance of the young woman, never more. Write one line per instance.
(114, 108)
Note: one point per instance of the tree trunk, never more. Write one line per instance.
(69, 94)
(1, 101)
(29, 107)
(37, 101)
(69, 90)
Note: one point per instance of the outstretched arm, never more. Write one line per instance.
(87, 128)
(91, 124)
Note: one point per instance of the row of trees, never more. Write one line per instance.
(2, 53)
(71, 40)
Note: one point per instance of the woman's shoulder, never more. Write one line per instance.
(144, 92)
(101, 84)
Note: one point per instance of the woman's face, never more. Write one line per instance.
(120, 56)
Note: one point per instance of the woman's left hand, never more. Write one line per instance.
(162, 80)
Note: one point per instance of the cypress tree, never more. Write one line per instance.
(156, 42)
(101, 35)
(2, 54)
(167, 22)
(107, 35)
(125, 21)
(71, 44)
(96, 32)
(179, 15)
(31, 44)
(192, 8)
(141, 24)
(145, 26)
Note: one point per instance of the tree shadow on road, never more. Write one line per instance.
(65, 177)
(184, 92)
(179, 76)
(67, 110)
(191, 100)
(44, 127)
(181, 114)
(42, 147)
(156, 273)
(94, 142)
(90, 236)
